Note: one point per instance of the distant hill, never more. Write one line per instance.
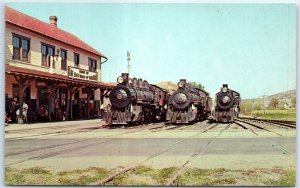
(168, 85)
(284, 95)
(284, 99)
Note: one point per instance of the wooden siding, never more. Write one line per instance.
(35, 52)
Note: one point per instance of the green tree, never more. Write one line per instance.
(246, 107)
(274, 102)
(293, 102)
(258, 105)
(196, 85)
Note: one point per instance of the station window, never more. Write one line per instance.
(92, 65)
(21, 47)
(63, 55)
(47, 52)
(76, 60)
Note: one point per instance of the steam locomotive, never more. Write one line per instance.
(188, 104)
(227, 105)
(136, 101)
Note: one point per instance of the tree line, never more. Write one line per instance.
(259, 104)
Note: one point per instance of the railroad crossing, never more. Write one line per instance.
(78, 145)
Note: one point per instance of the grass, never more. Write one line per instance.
(41, 176)
(205, 177)
(287, 114)
(146, 176)
(289, 179)
(143, 176)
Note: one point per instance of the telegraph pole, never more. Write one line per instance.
(264, 103)
(128, 61)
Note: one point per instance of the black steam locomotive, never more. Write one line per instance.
(188, 104)
(136, 101)
(227, 105)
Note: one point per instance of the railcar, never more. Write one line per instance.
(135, 101)
(227, 105)
(188, 104)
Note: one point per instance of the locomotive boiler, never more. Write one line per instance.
(135, 101)
(188, 104)
(227, 105)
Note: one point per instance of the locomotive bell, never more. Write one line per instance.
(134, 82)
(140, 83)
(146, 84)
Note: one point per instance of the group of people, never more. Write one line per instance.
(13, 113)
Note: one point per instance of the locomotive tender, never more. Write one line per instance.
(136, 101)
(227, 105)
(188, 104)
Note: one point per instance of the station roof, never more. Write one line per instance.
(9, 69)
(34, 25)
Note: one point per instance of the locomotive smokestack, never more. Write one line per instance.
(126, 77)
(183, 81)
(225, 85)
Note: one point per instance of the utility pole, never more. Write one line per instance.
(128, 61)
(264, 103)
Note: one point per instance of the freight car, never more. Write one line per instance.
(188, 104)
(135, 101)
(227, 105)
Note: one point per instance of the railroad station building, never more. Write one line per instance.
(55, 73)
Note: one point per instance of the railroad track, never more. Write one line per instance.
(246, 127)
(158, 127)
(278, 123)
(158, 153)
(56, 133)
(251, 124)
(172, 180)
(48, 126)
(66, 132)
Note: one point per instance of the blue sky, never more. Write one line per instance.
(251, 47)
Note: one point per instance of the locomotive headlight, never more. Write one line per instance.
(120, 79)
(224, 89)
(180, 84)
(226, 99)
(130, 81)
